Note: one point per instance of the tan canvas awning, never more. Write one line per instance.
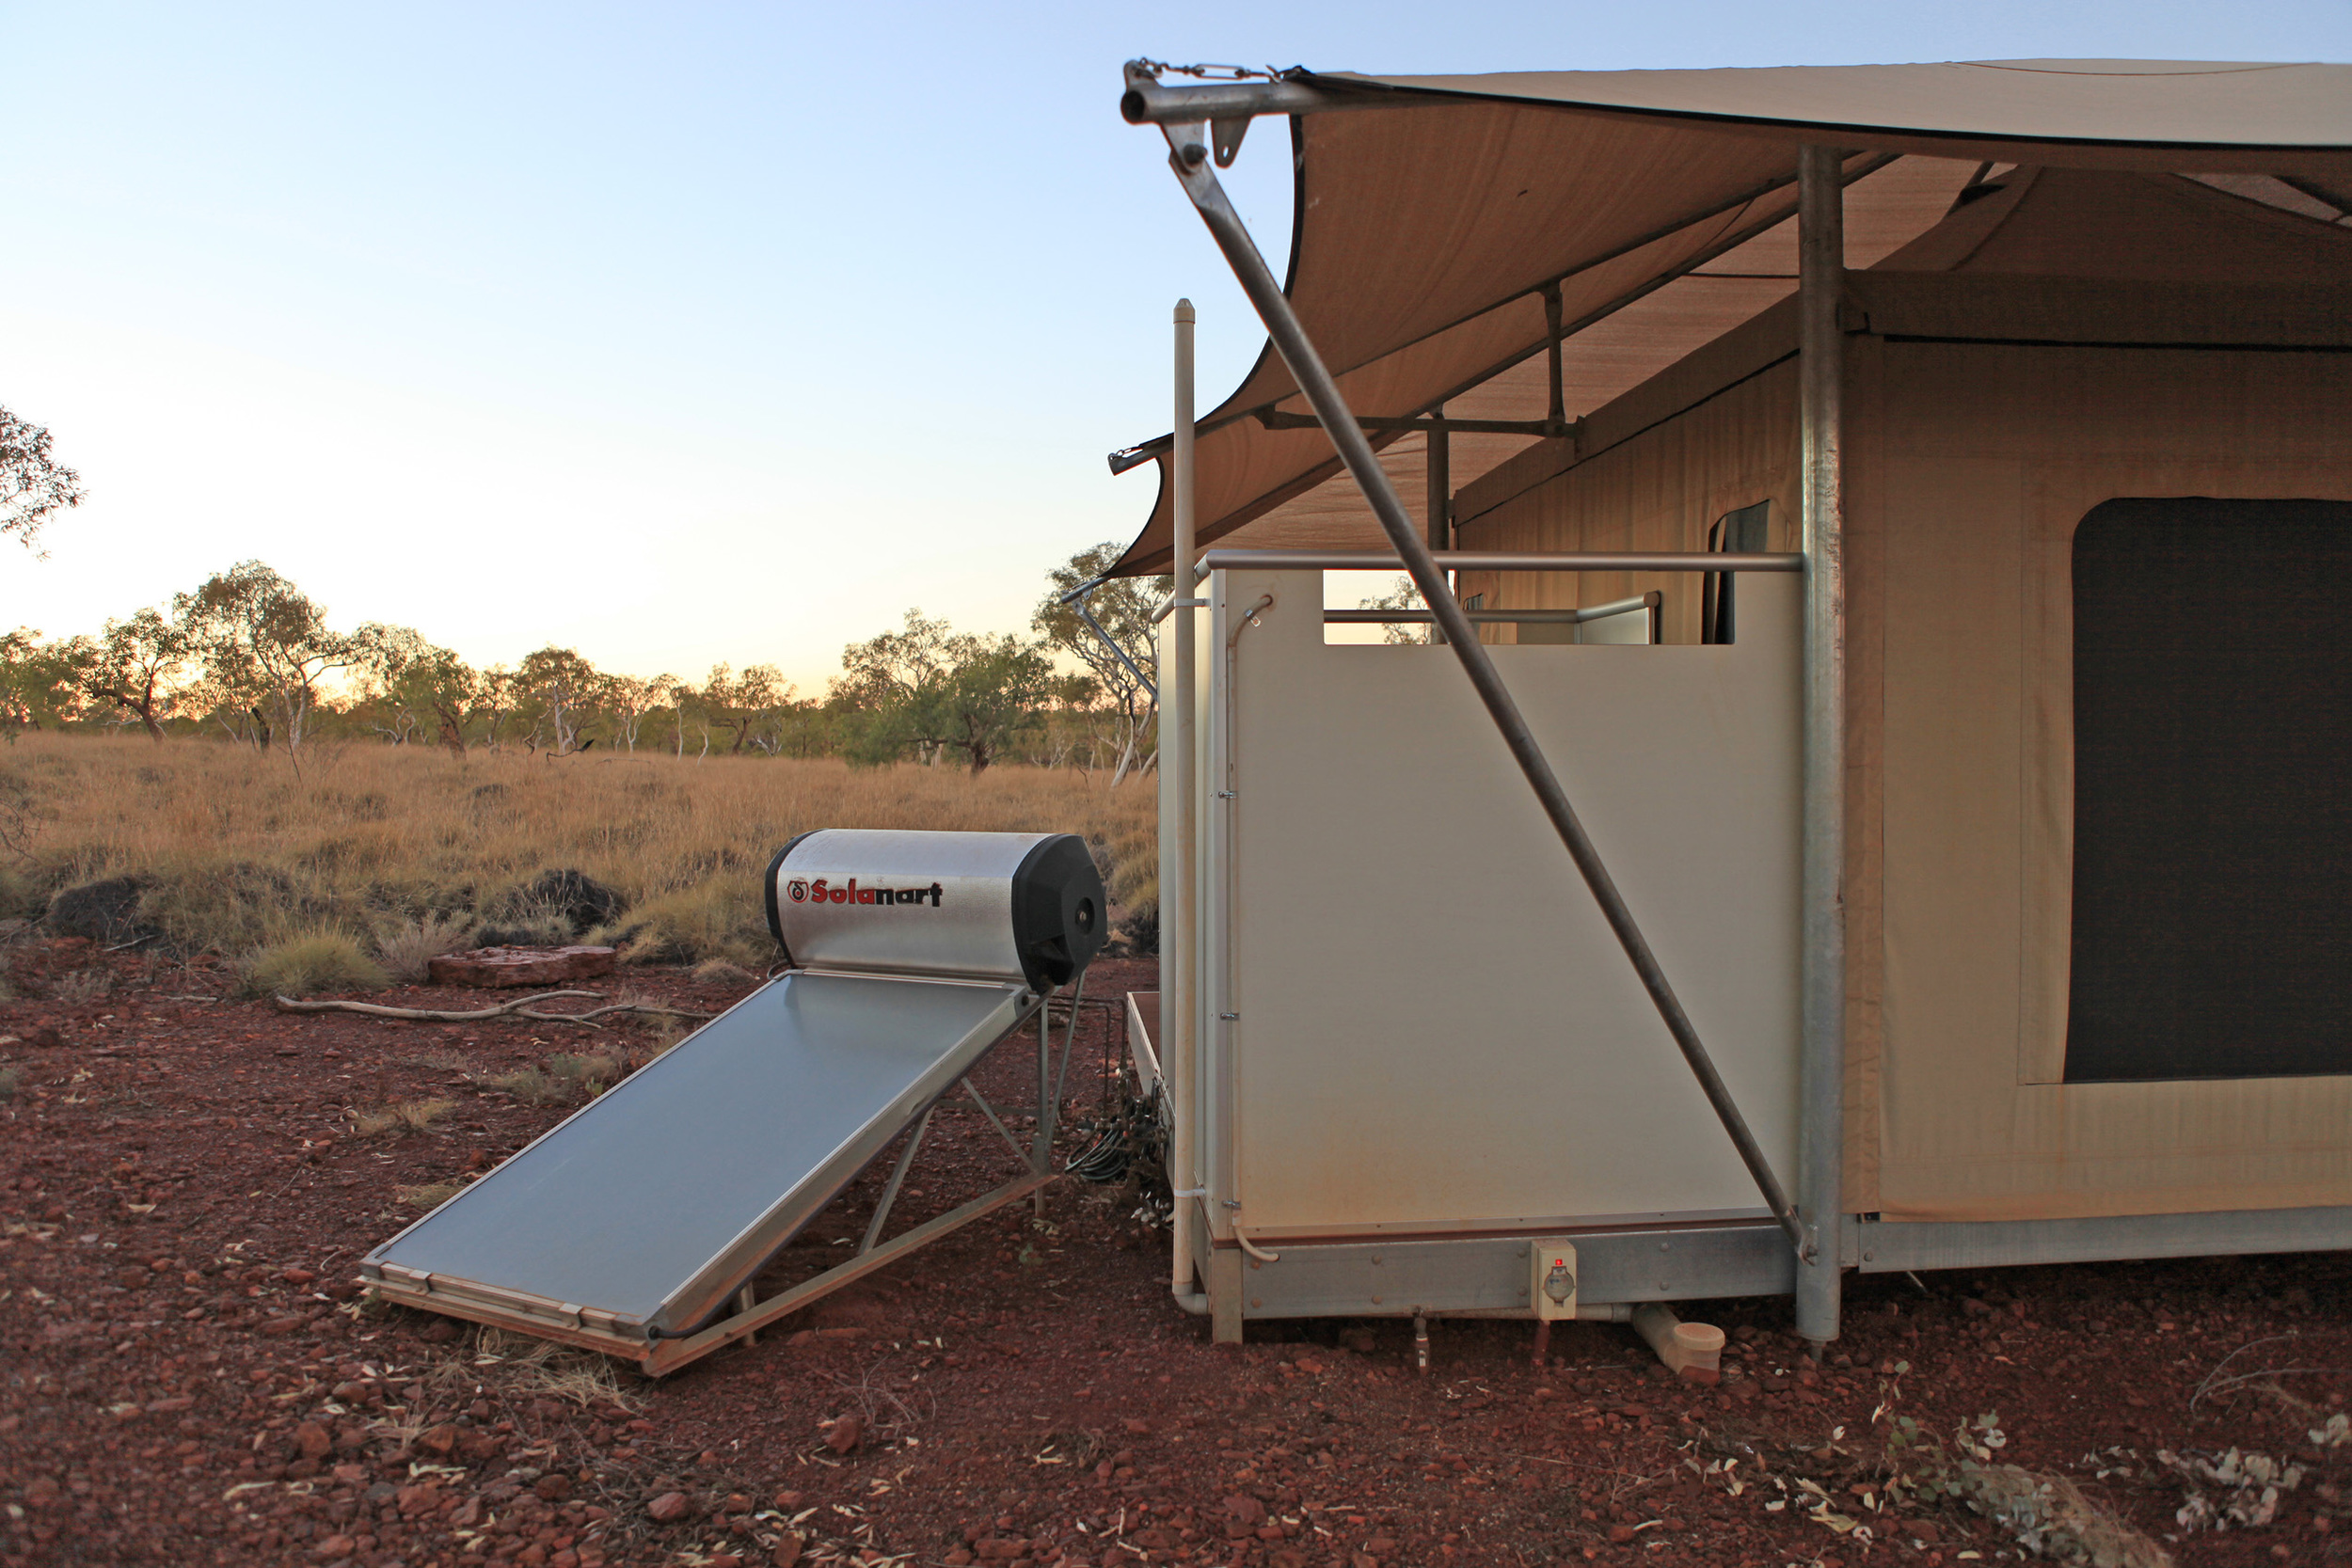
(1660, 206)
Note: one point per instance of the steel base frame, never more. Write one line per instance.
(1490, 1276)
(1886, 1246)
(569, 1324)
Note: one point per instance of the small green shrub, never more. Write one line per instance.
(9, 1078)
(236, 909)
(324, 960)
(23, 895)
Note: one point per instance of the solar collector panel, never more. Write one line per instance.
(658, 1199)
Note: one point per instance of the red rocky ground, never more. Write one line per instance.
(191, 1377)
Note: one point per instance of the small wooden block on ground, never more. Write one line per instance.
(520, 966)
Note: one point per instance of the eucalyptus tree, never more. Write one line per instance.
(416, 684)
(33, 485)
(934, 693)
(137, 665)
(1121, 661)
(265, 645)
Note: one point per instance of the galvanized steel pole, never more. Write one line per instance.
(1189, 158)
(1180, 999)
(1821, 1049)
(1440, 462)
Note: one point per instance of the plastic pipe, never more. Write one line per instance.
(1692, 1351)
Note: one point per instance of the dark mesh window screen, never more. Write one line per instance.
(2213, 754)
(1748, 528)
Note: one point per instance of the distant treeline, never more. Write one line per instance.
(247, 658)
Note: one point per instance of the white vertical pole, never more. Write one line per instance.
(1180, 1000)
(1822, 1049)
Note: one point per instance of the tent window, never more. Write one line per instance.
(2213, 816)
(1748, 528)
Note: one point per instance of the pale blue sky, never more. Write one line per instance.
(688, 332)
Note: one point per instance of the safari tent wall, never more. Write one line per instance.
(2136, 289)
(1987, 415)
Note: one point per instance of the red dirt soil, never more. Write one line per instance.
(192, 1376)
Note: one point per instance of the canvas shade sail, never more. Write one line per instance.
(1661, 204)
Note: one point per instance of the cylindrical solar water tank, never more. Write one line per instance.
(1025, 906)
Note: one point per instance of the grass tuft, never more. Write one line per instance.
(86, 985)
(523, 922)
(720, 921)
(22, 895)
(541, 1367)
(530, 1085)
(410, 945)
(432, 1195)
(235, 908)
(301, 966)
(592, 1073)
(401, 1117)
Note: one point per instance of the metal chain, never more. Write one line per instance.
(1213, 72)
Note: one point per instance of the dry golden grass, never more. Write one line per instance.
(86, 985)
(376, 841)
(589, 1072)
(322, 961)
(531, 1085)
(401, 1117)
(431, 1195)
(408, 946)
(538, 1367)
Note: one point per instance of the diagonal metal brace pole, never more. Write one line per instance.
(1076, 600)
(1189, 155)
(994, 1120)
(890, 1188)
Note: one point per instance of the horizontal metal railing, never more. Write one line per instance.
(1504, 560)
(1539, 617)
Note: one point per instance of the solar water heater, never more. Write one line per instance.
(638, 1224)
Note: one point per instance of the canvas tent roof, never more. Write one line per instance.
(1661, 205)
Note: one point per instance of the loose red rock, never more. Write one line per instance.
(494, 967)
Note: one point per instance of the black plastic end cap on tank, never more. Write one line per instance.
(1057, 910)
(768, 889)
